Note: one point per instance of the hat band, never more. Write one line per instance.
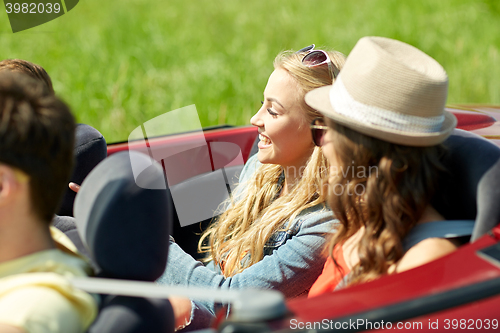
(344, 104)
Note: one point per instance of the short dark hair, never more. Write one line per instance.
(37, 132)
(23, 66)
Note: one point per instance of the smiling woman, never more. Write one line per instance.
(284, 133)
(272, 233)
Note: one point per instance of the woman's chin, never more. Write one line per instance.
(264, 157)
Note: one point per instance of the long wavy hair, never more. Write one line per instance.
(247, 225)
(383, 187)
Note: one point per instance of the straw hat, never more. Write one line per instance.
(389, 90)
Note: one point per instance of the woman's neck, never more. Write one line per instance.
(292, 177)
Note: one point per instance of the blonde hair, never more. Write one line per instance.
(247, 225)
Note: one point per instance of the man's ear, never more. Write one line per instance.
(8, 184)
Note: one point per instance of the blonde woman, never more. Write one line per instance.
(272, 234)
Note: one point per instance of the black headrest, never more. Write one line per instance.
(90, 149)
(470, 189)
(255, 147)
(124, 226)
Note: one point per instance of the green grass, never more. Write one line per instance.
(119, 63)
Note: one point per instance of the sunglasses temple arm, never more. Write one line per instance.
(306, 49)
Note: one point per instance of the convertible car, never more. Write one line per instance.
(460, 291)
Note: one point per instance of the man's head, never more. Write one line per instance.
(36, 140)
(22, 66)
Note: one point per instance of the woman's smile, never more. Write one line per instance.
(264, 142)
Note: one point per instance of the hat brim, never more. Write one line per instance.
(319, 99)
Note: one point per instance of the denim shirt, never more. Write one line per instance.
(293, 259)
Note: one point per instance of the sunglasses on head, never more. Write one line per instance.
(318, 131)
(315, 58)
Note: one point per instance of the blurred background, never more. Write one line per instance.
(119, 63)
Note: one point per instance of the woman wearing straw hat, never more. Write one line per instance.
(386, 122)
(273, 233)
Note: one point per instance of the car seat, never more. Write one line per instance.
(90, 149)
(470, 188)
(125, 229)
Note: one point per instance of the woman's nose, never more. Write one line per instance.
(256, 120)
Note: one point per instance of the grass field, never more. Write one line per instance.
(119, 63)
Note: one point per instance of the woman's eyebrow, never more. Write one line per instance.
(275, 100)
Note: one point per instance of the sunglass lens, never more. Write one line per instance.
(314, 58)
(318, 131)
(318, 135)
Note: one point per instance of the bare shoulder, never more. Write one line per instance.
(425, 251)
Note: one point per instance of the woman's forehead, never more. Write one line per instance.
(283, 88)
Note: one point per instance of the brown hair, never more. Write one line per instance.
(246, 226)
(35, 71)
(386, 193)
(37, 137)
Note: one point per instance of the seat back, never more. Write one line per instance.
(470, 188)
(90, 149)
(255, 147)
(125, 229)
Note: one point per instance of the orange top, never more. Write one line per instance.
(331, 275)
